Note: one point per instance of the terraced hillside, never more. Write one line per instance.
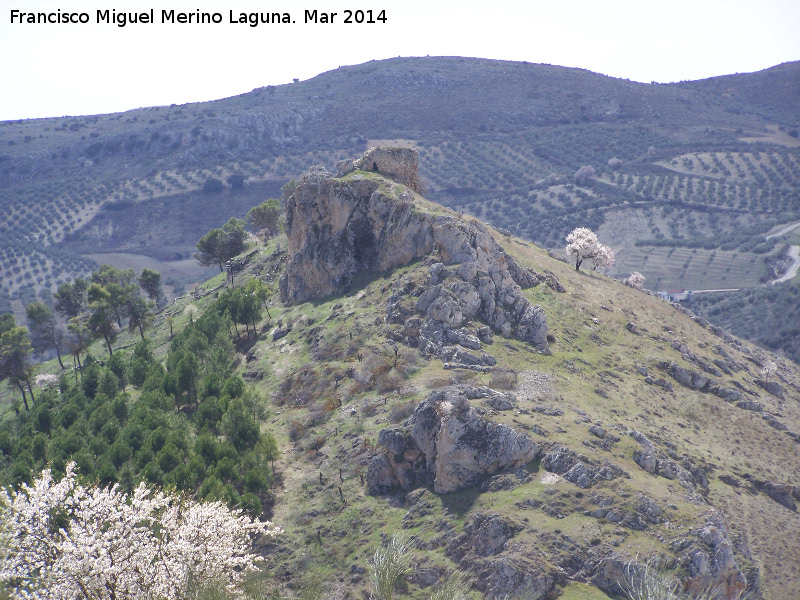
(710, 164)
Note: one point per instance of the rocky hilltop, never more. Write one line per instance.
(359, 223)
(534, 427)
(624, 426)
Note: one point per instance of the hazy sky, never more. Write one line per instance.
(64, 69)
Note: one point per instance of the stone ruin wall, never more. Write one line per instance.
(399, 164)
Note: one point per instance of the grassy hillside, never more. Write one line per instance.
(769, 315)
(331, 380)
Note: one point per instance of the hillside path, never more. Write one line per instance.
(791, 272)
(783, 230)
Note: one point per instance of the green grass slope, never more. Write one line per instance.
(331, 381)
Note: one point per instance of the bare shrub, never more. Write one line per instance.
(296, 431)
(386, 372)
(435, 383)
(400, 412)
(462, 377)
(390, 382)
(368, 409)
(504, 380)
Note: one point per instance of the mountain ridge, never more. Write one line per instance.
(500, 141)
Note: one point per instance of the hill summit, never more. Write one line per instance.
(536, 429)
(535, 426)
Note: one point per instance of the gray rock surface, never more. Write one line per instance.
(449, 444)
(709, 561)
(781, 493)
(700, 382)
(771, 387)
(339, 228)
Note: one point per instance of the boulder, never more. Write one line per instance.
(771, 387)
(500, 403)
(781, 493)
(559, 460)
(580, 474)
(448, 444)
(649, 509)
(750, 405)
(468, 447)
(597, 431)
(489, 534)
(646, 459)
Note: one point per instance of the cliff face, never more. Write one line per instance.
(339, 228)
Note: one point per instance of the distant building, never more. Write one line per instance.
(676, 295)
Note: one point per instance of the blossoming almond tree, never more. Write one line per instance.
(63, 540)
(582, 244)
(635, 280)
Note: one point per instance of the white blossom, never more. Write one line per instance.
(603, 257)
(584, 174)
(46, 380)
(770, 368)
(582, 244)
(65, 541)
(191, 311)
(635, 280)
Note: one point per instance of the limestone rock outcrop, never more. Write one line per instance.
(710, 560)
(449, 444)
(698, 381)
(339, 228)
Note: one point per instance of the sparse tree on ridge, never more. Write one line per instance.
(120, 287)
(267, 217)
(261, 291)
(79, 339)
(138, 311)
(15, 351)
(150, 282)
(582, 244)
(770, 368)
(221, 244)
(102, 321)
(70, 298)
(44, 326)
(635, 280)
